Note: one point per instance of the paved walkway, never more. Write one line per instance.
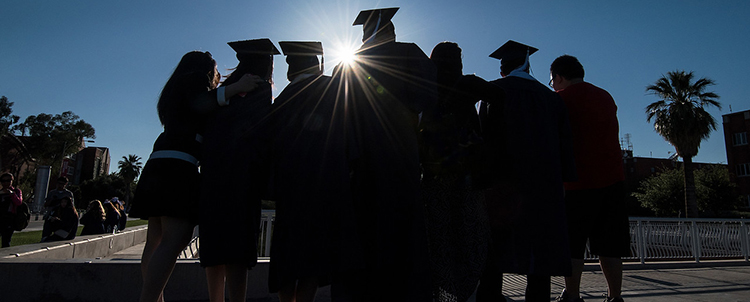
(707, 281)
(726, 281)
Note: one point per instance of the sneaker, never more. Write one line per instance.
(618, 299)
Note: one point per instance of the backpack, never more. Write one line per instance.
(23, 215)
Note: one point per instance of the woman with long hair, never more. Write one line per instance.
(63, 221)
(452, 181)
(167, 192)
(112, 217)
(93, 219)
(234, 175)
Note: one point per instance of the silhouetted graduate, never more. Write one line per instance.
(525, 204)
(388, 85)
(311, 176)
(452, 177)
(234, 171)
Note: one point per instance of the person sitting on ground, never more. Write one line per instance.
(63, 222)
(93, 219)
(112, 221)
(121, 209)
(53, 201)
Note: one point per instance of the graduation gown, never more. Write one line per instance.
(311, 184)
(234, 177)
(531, 139)
(457, 220)
(386, 89)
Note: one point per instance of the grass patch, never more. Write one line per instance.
(22, 238)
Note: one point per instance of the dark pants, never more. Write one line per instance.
(6, 230)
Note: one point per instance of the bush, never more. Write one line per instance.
(664, 193)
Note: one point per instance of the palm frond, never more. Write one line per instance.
(679, 116)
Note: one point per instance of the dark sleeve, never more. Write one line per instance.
(205, 102)
(482, 90)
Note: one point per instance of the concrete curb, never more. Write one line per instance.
(91, 246)
(110, 280)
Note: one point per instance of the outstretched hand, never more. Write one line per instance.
(248, 82)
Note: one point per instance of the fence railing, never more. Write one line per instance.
(264, 238)
(656, 239)
(651, 239)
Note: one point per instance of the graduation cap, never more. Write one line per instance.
(302, 56)
(254, 47)
(512, 50)
(381, 15)
(301, 48)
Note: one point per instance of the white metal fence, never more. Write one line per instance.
(651, 239)
(264, 238)
(655, 239)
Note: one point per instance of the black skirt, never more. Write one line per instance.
(167, 187)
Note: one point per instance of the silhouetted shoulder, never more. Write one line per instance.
(483, 89)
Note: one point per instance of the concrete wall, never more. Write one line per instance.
(91, 246)
(109, 280)
(79, 271)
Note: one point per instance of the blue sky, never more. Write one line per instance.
(107, 60)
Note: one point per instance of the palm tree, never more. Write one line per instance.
(681, 119)
(130, 167)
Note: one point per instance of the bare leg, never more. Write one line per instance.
(287, 291)
(306, 289)
(215, 276)
(573, 283)
(153, 238)
(612, 269)
(175, 235)
(236, 276)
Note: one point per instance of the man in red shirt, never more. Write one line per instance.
(594, 203)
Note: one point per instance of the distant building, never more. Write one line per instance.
(639, 168)
(89, 163)
(736, 127)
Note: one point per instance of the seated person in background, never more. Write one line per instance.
(63, 222)
(93, 219)
(112, 221)
(121, 209)
(53, 201)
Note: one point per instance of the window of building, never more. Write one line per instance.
(739, 139)
(747, 115)
(743, 169)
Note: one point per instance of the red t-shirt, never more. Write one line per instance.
(596, 143)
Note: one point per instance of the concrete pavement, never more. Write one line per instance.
(659, 282)
(726, 281)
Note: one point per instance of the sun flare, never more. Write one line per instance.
(345, 54)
